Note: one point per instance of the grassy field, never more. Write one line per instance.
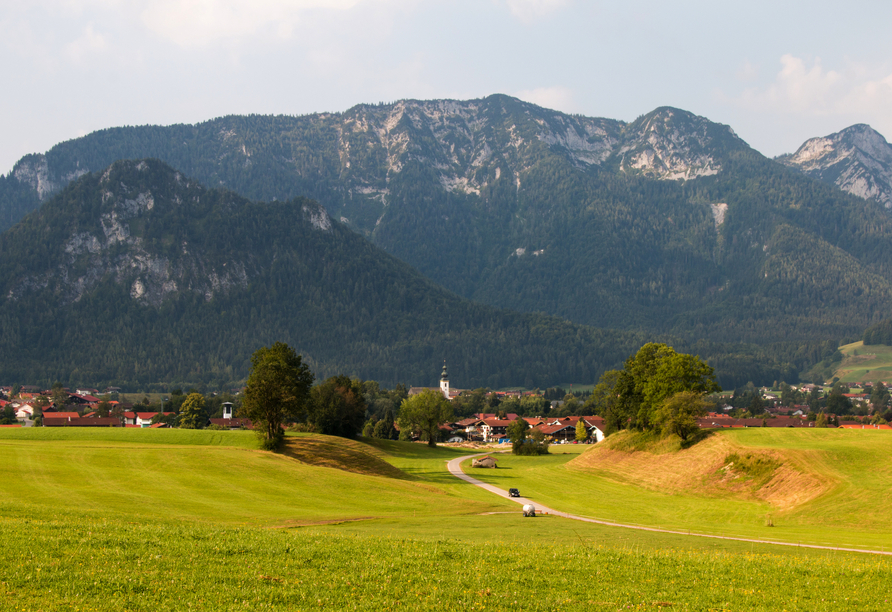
(865, 363)
(192, 520)
(830, 486)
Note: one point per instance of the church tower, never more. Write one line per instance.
(444, 381)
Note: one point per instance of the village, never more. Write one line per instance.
(860, 407)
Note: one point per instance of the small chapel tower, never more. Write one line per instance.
(444, 381)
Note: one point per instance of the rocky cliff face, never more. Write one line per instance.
(857, 159)
(671, 144)
(123, 237)
(469, 145)
(472, 144)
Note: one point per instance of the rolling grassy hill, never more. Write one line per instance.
(862, 363)
(196, 520)
(826, 486)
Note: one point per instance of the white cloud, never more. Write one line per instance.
(555, 98)
(747, 72)
(89, 43)
(530, 10)
(200, 22)
(813, 90)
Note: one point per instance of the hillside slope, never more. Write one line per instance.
(668, 224)
(139, 274)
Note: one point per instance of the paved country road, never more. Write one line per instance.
(454, 467)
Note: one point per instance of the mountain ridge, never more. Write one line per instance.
(857, 159)
(669, 224)
(139, 274)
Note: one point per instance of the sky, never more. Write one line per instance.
(778, 72)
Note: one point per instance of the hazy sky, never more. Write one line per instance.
(778, 72)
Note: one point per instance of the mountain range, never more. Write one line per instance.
(138, 274)
(668, 225)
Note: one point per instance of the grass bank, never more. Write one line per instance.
(827, 487)
(90, 522)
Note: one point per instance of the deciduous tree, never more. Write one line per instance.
(422, 415)
(192, 414)
(278, 388)
(337, 407)
(658, 373)
(581, 431)
(517, 433)
(678, 414)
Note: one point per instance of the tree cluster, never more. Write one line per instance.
(657, 390)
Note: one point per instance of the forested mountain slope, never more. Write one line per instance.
(668, 224)
(138, 274)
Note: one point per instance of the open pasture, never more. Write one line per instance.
(203, 475)
(831, 487)
(865, 363)
(203, 521)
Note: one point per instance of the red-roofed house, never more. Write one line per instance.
(493, 429)
(863, 426)
(144, 419)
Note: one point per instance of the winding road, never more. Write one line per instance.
(454, 467)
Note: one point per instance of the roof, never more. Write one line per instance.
(61, 415)
(498, 422)
(89, 398)
(553, 429)
(511, 416)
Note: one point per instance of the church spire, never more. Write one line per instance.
(444, 381)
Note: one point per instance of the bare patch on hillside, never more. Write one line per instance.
(341, 454)
(716, 467)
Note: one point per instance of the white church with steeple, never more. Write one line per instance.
(447, 391)
(444, 382)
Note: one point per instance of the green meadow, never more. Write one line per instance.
(865, 363)
(851, 465)
(198, 520)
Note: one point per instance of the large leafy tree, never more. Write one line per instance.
(278, 389)
(192, 412)
(422, 415)
(634, 395)
(658, 373)
(517, 432)
(678, 414)
(605, 400)
(337, 407)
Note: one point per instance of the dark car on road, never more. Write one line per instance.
(513, 493)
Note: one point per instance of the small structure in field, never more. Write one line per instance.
(529, 510)
(484, 462)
